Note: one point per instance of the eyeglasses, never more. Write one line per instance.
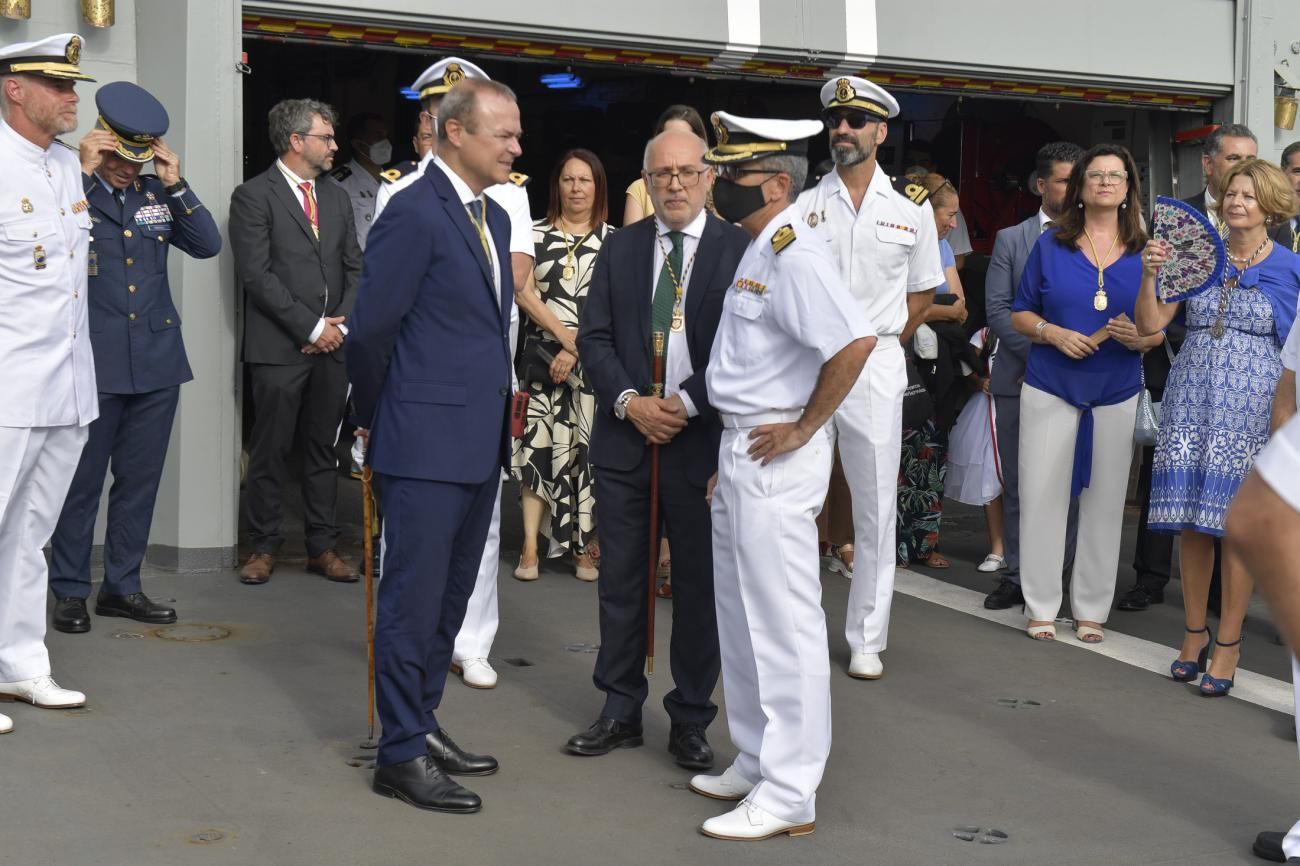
(329, 139)
(855, 119)
(1106, 177)
(688, 177)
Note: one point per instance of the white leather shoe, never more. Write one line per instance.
(866, 666)
(748, 823)
(728, 786)
(41, 692)
(475, 673)
(6, 724)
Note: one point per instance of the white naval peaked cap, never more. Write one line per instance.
(444, 75)
(57, 56)
(850, 91)
(741, 139)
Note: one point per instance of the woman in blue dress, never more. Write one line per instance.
(1215, 414)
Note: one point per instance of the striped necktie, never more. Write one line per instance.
(309, 206)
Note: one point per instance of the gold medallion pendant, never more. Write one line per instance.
(568, 272)
(1217, 329)
(1099, 302)
(679, 322)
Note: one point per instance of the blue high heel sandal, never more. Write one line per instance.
(1213, 687)
(1185, 670)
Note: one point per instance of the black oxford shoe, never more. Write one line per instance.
(1268, 846)
(454, 760)
(1140, 598)
(603, 737)
(70, 616)
(136, 606)
(1007, 595)
(687, 744)
(422, 784)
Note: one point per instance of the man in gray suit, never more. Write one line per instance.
(297, 260)
(1010, 250)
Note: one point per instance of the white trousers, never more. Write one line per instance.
(771, 627)
(869, 429)
(36, 469)
(479, 629)
(1291, 844)
(1048, 429)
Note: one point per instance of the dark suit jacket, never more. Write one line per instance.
(1198, 201)
(290, 278)
(614, 339)
(1285, 234)
(429, 348)
(134, 327)
(1010, 252)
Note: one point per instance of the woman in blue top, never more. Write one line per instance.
(1075, 302)
(1215, 414)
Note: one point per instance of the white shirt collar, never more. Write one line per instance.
(424, 161)
(694, 229)
(1043, 219)
(291, 177)
(462, 188)
(22, 146)
(880, 184)
(1210, 200)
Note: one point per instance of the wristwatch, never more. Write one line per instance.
(620, 405)
(177, 187)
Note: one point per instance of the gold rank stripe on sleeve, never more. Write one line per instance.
(887, 224)
(783, 237)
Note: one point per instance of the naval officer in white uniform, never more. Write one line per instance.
(479, 629)
(790, 345)
(47, 395)
(883, 236)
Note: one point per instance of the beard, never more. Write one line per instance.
(848, 152)
(52, 119)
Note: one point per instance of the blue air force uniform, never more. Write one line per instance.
(140, 359)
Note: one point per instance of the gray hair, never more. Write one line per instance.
(1214, 141)
(645, 157)
(791, 164)
(4, 100)
(461, 102)
(290, 116)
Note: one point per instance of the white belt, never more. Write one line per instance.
(761, 418)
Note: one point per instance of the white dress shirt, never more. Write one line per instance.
(466, 196)
(295, 186)
(678, 363)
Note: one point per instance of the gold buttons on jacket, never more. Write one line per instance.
(126, 233)
(131, 317)
(130, 261)
(167, 321)
(131, 289)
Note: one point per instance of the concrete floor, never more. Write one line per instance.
(243, 750)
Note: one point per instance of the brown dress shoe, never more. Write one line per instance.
(258, 569)
(333, 567)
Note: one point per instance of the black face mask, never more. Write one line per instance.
(735, 202)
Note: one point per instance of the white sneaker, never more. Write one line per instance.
(6, 724)
(993, 562)
(729, 786)
(749, 823)
(475, 673)
(42, 692)
(866, 666)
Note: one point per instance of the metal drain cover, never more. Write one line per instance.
(192, 633)
(207, 837)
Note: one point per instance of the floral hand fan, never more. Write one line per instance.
(1198, 256)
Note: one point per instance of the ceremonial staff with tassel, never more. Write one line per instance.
(651, 311)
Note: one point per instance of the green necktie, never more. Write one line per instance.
(661, 310)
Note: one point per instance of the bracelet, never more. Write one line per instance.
(1039, 328)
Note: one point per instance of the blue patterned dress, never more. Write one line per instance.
(1217, 403)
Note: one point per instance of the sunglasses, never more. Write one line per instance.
(855, 119)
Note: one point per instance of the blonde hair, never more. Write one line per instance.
(1272, 189)
(939, 188)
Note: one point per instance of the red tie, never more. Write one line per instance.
(309, 205)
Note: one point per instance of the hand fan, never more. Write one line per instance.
(1198, 256)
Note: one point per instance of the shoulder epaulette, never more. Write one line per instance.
(399, 171)
(343, 172)
(910, 190)
(783, 237)
(519, 179)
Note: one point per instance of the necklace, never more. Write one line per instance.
(570, 257)
(679, 318)
(1218, 329)
(1099, 301)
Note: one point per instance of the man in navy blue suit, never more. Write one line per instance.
(430, 366)
(140, 359)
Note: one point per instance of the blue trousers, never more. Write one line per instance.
(131, 435)
(434, 534)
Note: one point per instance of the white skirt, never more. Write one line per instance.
(973, 474)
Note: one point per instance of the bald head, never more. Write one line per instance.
(676, 177)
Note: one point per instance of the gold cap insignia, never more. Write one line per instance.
(454, 74)
(73, 50)
(719, 129)
(844, 91)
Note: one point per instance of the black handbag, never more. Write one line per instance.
(534, 365)
(918, 405)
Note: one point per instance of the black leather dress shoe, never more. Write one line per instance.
(1140, 598)
(687, 744)
(454, 760)
(603, 737)
(70, 616)
(1268, 845)
(1006, 595)
(422, 784)
(136, 606)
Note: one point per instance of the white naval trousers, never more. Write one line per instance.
(36, 469)
(771, 627)
(869, 429)
(479, 629)
(1291, 843)
(1048, 429)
